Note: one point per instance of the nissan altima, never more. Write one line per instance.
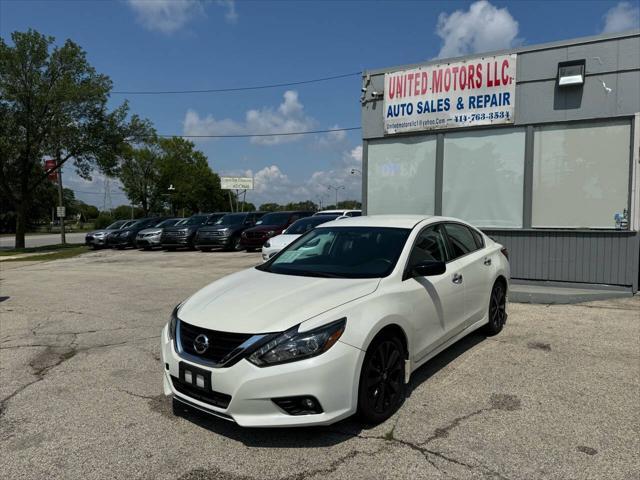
(335, 323)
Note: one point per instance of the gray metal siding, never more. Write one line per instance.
(581, 256)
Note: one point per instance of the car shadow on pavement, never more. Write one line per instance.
(323, 436)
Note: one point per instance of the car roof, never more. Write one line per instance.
(397, 221)
(338, 211)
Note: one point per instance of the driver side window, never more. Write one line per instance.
(429, 246)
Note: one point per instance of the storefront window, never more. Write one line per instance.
(401, 176)
(580, 174)
(483, 177)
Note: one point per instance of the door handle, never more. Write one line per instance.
(487, 261)
(457, 278)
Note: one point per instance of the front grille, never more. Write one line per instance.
(175, 233)
(220, 343)
(216, 399)
(211, 234)
(256, 234)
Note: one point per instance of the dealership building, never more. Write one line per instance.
(538, 146)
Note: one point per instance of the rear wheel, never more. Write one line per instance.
(382, 388)
(497, 309)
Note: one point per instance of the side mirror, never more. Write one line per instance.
(428, 269)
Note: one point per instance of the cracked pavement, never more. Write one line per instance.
(555, 395)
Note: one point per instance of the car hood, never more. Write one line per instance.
(215, 228)
(254, 301)
(105, 231)
(283, 240)
(266, 228)
(150, 230)
(181, 228)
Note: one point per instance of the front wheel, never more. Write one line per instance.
(497, 309)
(382, 388)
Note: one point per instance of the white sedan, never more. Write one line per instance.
(295, 230)
(336, 323)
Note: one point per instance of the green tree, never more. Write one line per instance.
(350, 205)
(140, 175)
(306, 205)
(270, 207)
(127, 212)
(53, 102)
(196, 186)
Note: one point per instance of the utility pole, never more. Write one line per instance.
(336, 188)
(63, 238)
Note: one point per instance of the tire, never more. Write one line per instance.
(381, 389)
(235, 245)
(497, 309)
(249, 250)
(205, 249)
(171, 249)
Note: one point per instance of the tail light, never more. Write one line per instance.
(505, 252)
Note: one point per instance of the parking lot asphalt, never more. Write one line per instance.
(555, 395)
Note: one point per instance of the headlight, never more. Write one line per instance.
(292, 345)
(270, 233)
(267, 244)
(99, 234)
(174, 321)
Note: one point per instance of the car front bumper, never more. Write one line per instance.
(96, 241)
(148, 241)
(268, 252)
(214, 242)
(332, 378)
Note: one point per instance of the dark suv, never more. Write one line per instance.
(126, 237)
(226, 231)
(184, 235)
(268, 226)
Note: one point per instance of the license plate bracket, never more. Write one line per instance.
(194, 376)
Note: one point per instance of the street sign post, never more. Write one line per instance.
(61, 212)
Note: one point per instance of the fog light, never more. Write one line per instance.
(303, 405)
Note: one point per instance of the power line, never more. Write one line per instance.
(283, 134)
(235, 89)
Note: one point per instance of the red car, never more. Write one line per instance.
(268, 226)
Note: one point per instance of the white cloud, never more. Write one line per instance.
(624, 16)
(288, 117)
(166, 16)
(482, 28)
(273, 185)
(232, 15)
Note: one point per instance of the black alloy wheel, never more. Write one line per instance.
(235, 244)
(497, 309)
(382, 387)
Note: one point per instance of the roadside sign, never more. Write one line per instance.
(236, 183)
(61, 212)
(49, 165)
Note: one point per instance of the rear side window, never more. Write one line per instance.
(461, 240)
(478, 238)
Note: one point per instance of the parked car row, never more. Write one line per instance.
(205, 231)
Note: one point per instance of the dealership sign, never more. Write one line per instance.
(236, 183)
(478, 91)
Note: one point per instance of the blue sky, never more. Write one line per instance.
(184, 44)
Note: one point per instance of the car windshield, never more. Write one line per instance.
(195, 220)
(305, 224)
(232, 219)
(342, 252)
(213, 219)
(167, 223)
(129, 224)
(116, 225)
(274, 219)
